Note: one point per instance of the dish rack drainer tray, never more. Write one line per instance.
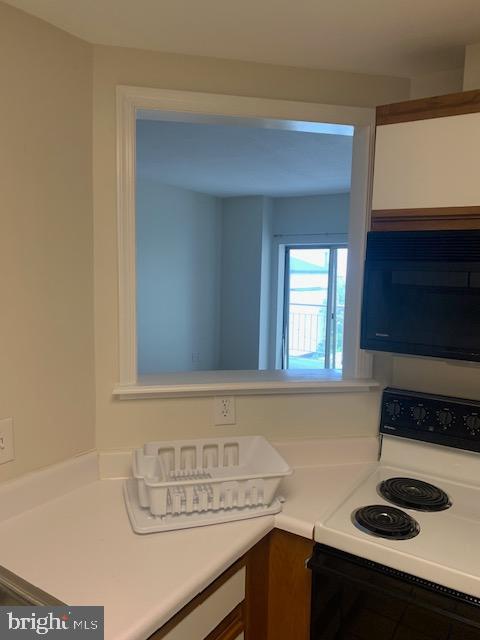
(189, 483)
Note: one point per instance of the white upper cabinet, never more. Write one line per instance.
(428, 163)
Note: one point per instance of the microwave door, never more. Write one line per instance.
(426, 309)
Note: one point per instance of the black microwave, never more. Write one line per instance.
(421, 293)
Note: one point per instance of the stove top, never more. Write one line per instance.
(419, 510)
(412, 493)
(444, 546)
(385, 522)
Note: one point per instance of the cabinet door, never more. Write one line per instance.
(289, 587)
(428, 163)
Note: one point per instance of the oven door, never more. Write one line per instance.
(355, 599)
(422, 308)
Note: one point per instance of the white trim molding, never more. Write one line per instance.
(357, 362)
(208, 383)
(133, 102)
(126, 180)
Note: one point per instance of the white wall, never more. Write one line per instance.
(471, 72)
(127, 423)
(46, 242)
(433, 375)
(178, 276)
(320, 214)
(241, 282)
(437, 84)
(49, 255)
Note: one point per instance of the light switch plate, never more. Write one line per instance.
(6, 440)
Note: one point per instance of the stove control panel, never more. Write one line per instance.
(453, 422)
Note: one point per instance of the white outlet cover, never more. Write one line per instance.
(6, 440)
(224, 410)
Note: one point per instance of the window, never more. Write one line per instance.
(152, 104)
(314, 307)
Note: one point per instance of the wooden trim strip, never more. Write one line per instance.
(289, 587)
(452, 104)
(434, 218)
(231, 626)
(201, 597)
(256, 590)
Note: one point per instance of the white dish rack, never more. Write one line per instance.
(187, 483)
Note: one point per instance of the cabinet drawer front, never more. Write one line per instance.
(204, 618)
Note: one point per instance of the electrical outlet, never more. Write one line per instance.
(6, 440)
(224, 410)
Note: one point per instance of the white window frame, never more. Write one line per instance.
(274, 113)
(331, 296)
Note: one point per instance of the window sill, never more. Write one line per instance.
(211, 383)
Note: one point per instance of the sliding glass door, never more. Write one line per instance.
(314, 307)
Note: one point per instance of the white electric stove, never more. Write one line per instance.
(419, 510)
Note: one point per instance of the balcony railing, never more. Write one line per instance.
(307, 330)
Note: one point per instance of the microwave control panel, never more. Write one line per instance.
(453, 422)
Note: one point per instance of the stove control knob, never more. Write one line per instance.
(419, 413)
(472, 423)
(445, 418)
(393, 409)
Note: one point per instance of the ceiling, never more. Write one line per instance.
(235, 160)
(404, 38)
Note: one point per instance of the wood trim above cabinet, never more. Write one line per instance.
(452, 104)
(427, 219)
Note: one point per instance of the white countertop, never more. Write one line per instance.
(80, 547)
(311, 493)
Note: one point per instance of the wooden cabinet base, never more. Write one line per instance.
(256, 590)
(289, 585)
(278, 588)
(277, 594)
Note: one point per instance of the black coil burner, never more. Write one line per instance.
(385, 522)
(414, 494)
